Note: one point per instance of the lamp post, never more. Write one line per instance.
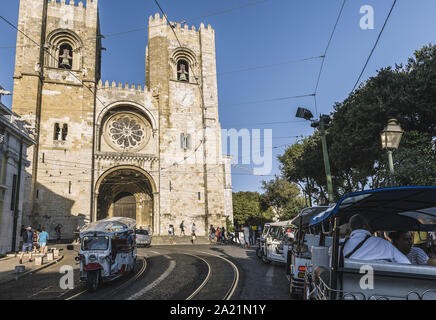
(390, 139)
(321, 123)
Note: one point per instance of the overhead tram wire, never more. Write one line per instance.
(190, 19)
(325, 54)
(375, 45)
(270, 100)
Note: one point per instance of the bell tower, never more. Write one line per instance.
(181, 66)
(57, 67)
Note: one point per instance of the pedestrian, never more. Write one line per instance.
(193, 229)
(23, 229)
(171, 233)
(211, 234)
(246, 230)
(35, 240)
(27, 244)
(237, 235)
(149, 230)
(241, 238)
(217, 235)
(77, 234)
(182, 228)
(250, 231)
(43, 236)
(58, 230)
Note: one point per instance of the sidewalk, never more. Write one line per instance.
(8, 264)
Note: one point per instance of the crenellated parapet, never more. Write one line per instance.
(74, 3)
(120, 86)
(158, 24)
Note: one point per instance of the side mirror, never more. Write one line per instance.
(70, 247)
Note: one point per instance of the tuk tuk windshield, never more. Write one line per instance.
(275, 232)
(95, 243)
(265, 231)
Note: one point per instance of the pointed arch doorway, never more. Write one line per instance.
(125, 192)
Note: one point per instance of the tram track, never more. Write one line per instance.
(230, 292)
(118, 288)
(198, 291)
(216, 285)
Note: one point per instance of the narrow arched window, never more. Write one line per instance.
(64, 132)
(65, 56)
(183, 70)
(57, 131)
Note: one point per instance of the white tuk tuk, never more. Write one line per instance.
(333, 276)
(299, 253)
(276, 235)
(107, 250)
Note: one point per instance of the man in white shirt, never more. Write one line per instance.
(363, 245)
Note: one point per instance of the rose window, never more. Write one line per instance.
(127, 131)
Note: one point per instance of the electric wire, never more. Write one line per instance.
(375, 45)
(325, 54)
(190, 19)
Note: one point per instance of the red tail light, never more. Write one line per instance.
(301, 268)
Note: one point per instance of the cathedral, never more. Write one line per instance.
(107, 149)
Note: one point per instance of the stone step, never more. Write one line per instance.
(165, 240)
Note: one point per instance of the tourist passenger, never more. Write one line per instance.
(404, 242)
(421, 240)
(364, 246)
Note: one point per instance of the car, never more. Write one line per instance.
(142, 238)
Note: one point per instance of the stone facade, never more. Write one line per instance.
(108, 149)
(14, 142)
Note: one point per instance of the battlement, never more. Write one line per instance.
(158, 21)
(74, 3)
(120, 86)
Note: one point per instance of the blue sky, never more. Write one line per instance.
(265, 33)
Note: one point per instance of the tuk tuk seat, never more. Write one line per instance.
(391, 280)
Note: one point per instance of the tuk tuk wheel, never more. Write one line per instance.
(259, 252)
(265, 259)
(93, 280)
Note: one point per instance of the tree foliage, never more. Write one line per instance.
(247, 209)
(283, 197)
(407, 93)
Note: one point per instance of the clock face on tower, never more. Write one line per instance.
(185, 97)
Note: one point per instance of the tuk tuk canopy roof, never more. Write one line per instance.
(280, 223)
(306, 215)
(389, 209)
(111, 225)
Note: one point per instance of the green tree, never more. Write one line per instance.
(283, 197)
(247, 209)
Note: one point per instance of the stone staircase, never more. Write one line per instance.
(183, 240)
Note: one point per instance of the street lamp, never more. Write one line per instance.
(390, 139)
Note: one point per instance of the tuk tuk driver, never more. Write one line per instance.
(363, 245)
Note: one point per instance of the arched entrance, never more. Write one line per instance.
(125, 192)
